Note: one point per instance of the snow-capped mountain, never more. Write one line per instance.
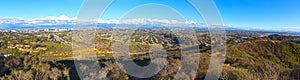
(65, 21)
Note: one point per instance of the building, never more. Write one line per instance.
(5, 55)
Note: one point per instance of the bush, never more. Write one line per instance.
(31, 68)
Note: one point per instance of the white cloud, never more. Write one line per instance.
(61, 17)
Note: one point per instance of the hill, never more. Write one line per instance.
(262, 60)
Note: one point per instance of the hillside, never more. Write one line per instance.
(262, 60)
(249, 60)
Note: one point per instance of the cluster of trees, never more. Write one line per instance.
(263, 60)
(31, 68)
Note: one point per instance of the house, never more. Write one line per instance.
(6, 55)
(27, 46)
(41, 48)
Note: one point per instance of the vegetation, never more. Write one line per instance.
(262, 60)
(25, 67)
(40, 56)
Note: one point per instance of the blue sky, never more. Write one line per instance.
(239, 13)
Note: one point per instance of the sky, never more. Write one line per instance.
(238, 13)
